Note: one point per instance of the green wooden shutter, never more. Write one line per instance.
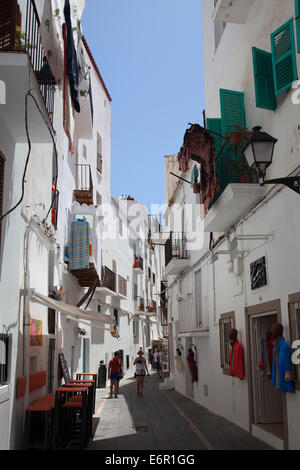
(214, 125)
(297, 12)
(263, 78)
(232, 111)
(284, 57)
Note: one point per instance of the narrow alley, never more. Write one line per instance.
(162, 420)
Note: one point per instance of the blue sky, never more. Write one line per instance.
(149, 53)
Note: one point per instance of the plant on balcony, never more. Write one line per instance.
(239, 137)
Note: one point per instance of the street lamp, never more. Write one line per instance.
(259, 155)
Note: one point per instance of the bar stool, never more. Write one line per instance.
(78, 398)
(42, 412)
(70, 402)
(85, 375)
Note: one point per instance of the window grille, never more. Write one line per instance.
(226, 323)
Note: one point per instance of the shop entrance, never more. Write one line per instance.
(267, 405)
(267, 401)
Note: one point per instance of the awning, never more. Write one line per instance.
(70, 309)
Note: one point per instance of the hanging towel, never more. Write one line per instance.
(79, 244)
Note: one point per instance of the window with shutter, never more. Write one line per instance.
(284, 57)
(232, 111)
(2, 167)
(297, 11)
(214, 125)
(263, 79)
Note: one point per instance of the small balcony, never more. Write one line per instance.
(122, 287)
(239, 190)
(83, 193)
(139, 305)
(232, 11)
(176, 258)
(138, 265)
(112, 285)
(22, 60)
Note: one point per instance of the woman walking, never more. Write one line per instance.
(140, 372)
(115, 373)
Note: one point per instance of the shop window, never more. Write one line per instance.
(294, 324)
(226, 323)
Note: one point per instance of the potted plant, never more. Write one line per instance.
(196, 188)
(238, 137)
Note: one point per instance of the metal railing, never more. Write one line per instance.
(122, 285)
(232, 168)
(108, 279)
(175, 247)
(139, 303)
(13, 37)
(84, 177)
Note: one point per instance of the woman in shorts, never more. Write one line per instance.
(140, 372)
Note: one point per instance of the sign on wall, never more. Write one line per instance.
(36, 332)
(258, 273)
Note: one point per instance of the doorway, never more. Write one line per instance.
(267, 406)
(51, 365)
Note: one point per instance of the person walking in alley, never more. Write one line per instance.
(157, 363)
(115, 373)
(140, 372)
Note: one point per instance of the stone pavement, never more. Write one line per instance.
(162, 420)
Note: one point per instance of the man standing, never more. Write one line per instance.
(115, 373)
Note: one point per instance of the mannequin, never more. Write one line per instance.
(236, 356)
(282, 368)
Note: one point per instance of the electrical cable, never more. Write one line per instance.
(28, 94)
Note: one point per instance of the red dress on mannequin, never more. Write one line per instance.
(237, 360)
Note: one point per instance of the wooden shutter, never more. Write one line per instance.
(232, 111)
(284, 57)
(2, 167)
(263, 79)
(214, 125)
(297, 11)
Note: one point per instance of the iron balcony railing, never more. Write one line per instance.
(84, 177)
(139, 304)
(21, 33)
(175, 247)
(122, 285)
(232, 168)
(108, 279)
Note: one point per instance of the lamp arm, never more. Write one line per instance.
(292, 182)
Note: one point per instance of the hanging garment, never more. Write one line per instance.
(72, 63)
(263, 357)
(237, 360)
(282, 368)
(79, 244)
(192, 366)
(179, 364)
(199, 145)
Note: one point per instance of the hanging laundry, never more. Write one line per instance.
(199, 145)
(179, 363)
(192, 365)
(72, 62)
(79, 244)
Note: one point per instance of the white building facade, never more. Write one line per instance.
(245, 276)
(55, 178)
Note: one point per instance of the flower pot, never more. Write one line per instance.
(236, 138)
(196, 188)
(135, 264)
(245, 179)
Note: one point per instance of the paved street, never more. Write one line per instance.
(162, 420)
